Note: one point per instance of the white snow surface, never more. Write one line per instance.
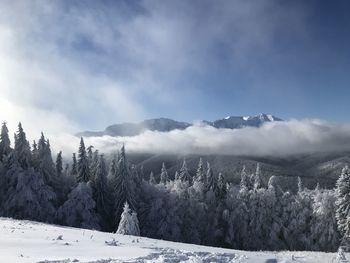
(28, 241)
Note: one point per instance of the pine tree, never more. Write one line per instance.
(79, 209)
(245, 182)
(257, 178)
(124, 188)
(22, 148)
(59, 167)
(46, 165)
(324, 225)
(74, 171)
(152, 180)
(28, 197)
(200, 174)
(101, 192)
(343, 204)
(211, 180)
(83, 164)
(129, 224)
(5, 144)
(164, 178)
(184, 174)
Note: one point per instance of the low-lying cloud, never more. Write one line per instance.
(272, 139)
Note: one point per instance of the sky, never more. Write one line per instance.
(83, 65)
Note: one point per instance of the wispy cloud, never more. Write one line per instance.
(272, 139)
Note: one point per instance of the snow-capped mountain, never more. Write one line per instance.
(165, 125)
(236, 122)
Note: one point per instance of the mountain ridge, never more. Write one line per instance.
(166, 125)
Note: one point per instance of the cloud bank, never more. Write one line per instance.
(272, 139)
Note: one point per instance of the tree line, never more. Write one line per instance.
(201, 208)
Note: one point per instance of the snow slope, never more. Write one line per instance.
(27, 241)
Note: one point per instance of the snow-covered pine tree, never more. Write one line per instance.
(74, 170)
(211, 179)
(257, 178)
(5, 144)
(79, 209)
(46, 165)
(164, 178)
(124, 188)
(101, 193)
(343, 204)
(200, 174)
(59, 167)
(152, 180)
(324, 232)
(83, 164)
(184, 174)
(221, 187)
(28, 197)
(128, 224)
(22, 148)
(244, 183)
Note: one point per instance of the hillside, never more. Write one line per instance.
(27, 241)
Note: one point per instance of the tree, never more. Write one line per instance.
(83, 164)
(22, 148)
(129, 224)
(211, 180)
(164, 178)
(5, 144)
(184, 174)
(200, 174)
(324, 225)
(74, 170)
(343, 204)
(245, 182)
(79, 209)
(124, 188)
(59, 167)
(101, 192)
(46, 165)
(28, 196)
(257, 178)
(152, 180)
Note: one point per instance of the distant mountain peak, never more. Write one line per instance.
(166, 125)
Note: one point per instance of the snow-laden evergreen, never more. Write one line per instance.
(80, 209)
(128, 224)
(83, 174)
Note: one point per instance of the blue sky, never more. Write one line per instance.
(88, 64)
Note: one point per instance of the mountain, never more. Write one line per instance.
(165, 125)
(25, 241)
(236, 122)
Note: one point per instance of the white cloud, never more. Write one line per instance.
(272, 139)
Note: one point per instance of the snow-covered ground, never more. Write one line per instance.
(27, 241)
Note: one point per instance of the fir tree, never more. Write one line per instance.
(184, 174)
(164, 178)
(343, 204)
(59, 167)
(5, 144)
(257, 178)
(152, 180)
(22, 148)
(101, 192)
(79, 209)
(74, 171)
(200, 174)
(83, 164)
(124, 188)
(129, 224)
